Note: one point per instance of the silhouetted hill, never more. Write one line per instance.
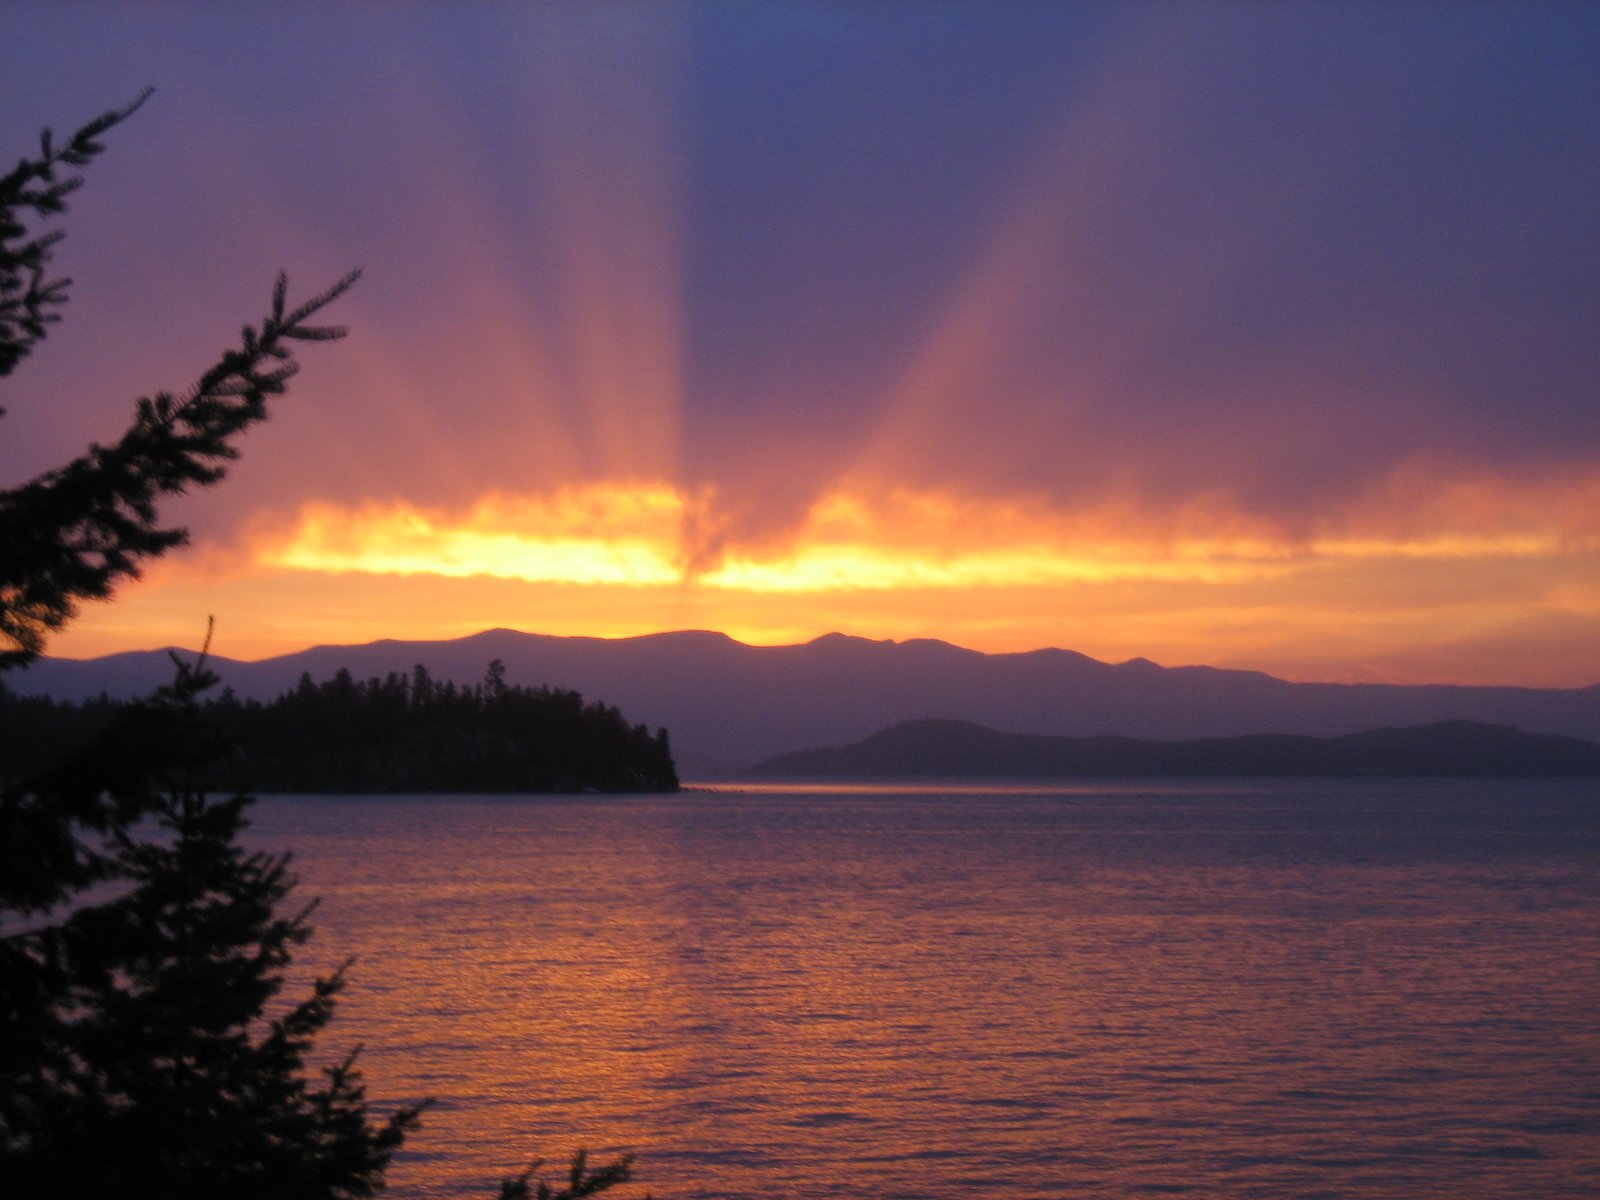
(725, 703)
(960, 748)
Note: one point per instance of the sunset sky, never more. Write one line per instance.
(1246, 334)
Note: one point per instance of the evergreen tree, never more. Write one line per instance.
(138, 1060)
(73, 533)
(143, 1049)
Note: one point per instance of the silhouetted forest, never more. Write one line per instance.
(401, 733)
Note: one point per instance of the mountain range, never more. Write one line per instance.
(960, 748)
(727, 705)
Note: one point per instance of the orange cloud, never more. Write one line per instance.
(599, 535)
(1472, 580)
(652, 534)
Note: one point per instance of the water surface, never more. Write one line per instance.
(1376, 989)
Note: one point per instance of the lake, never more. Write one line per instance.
(1122, 989)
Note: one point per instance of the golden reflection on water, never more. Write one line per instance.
(897, 993)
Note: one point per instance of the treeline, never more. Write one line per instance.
(401, 733)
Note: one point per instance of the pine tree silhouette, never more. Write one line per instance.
(138, 1060)
(144, 1051)
(73, 533)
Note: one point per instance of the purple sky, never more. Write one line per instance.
(1273, 261)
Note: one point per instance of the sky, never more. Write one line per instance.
(1244, 334)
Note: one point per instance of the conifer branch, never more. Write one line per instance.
(27, 301)
(74, 533)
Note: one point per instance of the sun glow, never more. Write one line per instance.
(642, 535)
(599, 535)
(1471, 584)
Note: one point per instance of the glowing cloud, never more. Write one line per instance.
(1474, 582)
(650, 535)
(595, 535)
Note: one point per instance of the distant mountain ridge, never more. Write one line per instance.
(726, 704)
(1457, 749)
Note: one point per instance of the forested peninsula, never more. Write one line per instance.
(400, 733)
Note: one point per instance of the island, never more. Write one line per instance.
(960, 748)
